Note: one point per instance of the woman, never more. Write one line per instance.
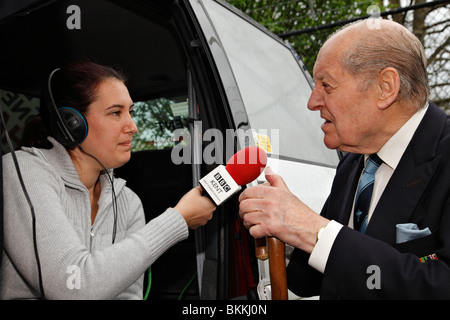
(91, 238)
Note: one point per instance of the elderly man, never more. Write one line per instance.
(384, 231)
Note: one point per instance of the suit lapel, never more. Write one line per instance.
(401, 196)
(410, 180)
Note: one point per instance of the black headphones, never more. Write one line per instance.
(68, 126)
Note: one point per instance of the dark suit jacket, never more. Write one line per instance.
(418, 192)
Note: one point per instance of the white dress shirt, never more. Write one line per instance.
(391, 154)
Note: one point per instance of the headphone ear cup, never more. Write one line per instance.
(76, 126)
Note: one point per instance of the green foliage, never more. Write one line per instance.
(156, 123)
(430, 24)
(281, 16)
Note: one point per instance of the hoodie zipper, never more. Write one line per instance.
(92, 238)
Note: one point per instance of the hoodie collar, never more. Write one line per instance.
(60, 159)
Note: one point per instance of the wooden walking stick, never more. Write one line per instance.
(274, 250)
(261, 250)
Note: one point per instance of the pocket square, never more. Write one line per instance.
(410, 231)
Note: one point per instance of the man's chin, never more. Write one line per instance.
(332, 143)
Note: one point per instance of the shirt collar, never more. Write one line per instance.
(394, 148)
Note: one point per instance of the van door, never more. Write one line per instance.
(262, 74)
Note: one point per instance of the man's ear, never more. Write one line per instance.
(389, 82)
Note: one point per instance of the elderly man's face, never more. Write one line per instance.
(350, 114)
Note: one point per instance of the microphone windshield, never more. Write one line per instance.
(246, 165)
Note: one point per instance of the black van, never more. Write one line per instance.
(207, 81)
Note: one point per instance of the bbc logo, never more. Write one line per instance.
(222, 182)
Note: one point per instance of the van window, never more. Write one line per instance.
(156, 120)
(17, 109)
(274, 88)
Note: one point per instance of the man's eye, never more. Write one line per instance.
(327, 87)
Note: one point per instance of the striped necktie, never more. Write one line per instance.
(364, 193)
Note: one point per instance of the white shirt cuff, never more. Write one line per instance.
(319, 256)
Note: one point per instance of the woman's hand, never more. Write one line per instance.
(196, 209)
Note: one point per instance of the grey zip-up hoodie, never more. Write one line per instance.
(77, 258)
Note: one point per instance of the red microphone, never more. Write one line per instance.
(242, 168)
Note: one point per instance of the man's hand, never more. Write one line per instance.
(272, 210)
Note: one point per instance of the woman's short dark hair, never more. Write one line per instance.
(74, 85)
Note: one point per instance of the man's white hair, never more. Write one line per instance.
(381, 44)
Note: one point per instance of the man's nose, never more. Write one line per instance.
(315, 101)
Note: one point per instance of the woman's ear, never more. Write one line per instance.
(389, 82)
